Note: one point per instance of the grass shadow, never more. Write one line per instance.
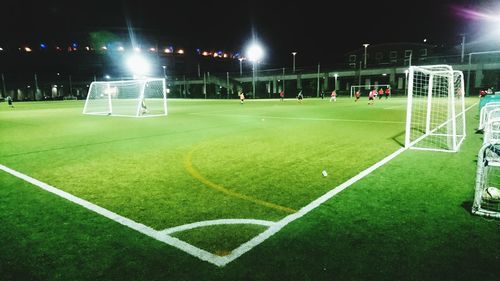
(398, 138)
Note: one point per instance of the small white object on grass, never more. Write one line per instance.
(324, 173)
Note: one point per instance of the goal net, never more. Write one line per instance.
(133, 98)
(487, 193)
(435, 117)
(485, 111)
(364, 89)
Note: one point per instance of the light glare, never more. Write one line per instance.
(138, 65)
(255, 52)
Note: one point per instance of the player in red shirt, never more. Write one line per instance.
(380, 93)
(282, 95)
(371, 96)
(482, 93)
(357, 95)
(387, 92)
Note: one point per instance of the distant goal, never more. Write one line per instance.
(364, 89)
(435, 117)
(129, 98)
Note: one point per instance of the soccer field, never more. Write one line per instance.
(213, 174)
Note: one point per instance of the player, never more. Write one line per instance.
(357, 95)
(380, 93)
(9, 101)
(371, 96)
(242, 98)
(387, 92)
(482, 93)
(144, 108)
(334, 96)
(282, 95)
(300, 97)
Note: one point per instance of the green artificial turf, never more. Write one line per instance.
(409, 220)
(207, 160)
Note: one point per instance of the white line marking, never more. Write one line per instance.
(188, 248)
(302, 119)
(215, 222)
(311, 206)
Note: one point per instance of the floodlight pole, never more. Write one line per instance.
(317, 84)
(335, 76)
(294, 53)
(205, 84)
(70, 86)
(283, 79)
(366, 46)
(165, 70)
(253, 79)
(463, 48)
(3, 85)
(36, 85)
(227, 84)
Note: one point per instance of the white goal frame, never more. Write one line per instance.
(453, 125)
(484, 113)
(139, 111)
(487, 163)
(368, 86)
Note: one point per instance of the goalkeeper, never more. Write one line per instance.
(144, 108)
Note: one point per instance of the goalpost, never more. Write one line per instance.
(435, 116)
(367, 87)
(130, 98)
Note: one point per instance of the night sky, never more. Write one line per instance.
(318, 30)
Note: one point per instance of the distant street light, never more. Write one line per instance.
(294, 53)
(241, 66)
(366, 46)
(164, 71)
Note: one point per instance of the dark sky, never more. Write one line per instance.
(318, 30)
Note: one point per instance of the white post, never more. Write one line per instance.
(141, 97)
(429, 106)
(164, 84)
(408, 109)
(451, 86)
(87, 99)
(110, 105)
(462, 101)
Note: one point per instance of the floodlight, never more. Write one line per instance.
(255, 52)
(138, 65)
